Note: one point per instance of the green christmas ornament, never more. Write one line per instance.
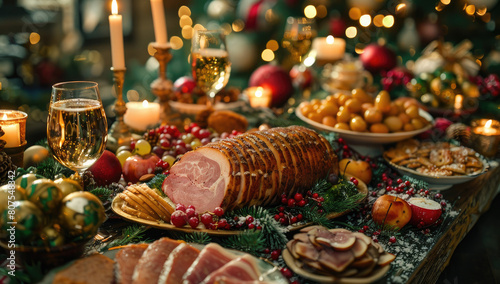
(52, 235)
(81, 215)
(26, 180)
(10, 192)
(28, 220)
(45, 194)
(67, 186)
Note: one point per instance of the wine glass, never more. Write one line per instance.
(210, 62)
(298, 36)
(77, 126)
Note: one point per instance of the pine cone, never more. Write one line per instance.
(459, 132)
(6, 165)
(152, 139)
(2, 142)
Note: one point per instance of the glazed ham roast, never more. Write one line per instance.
(253, 168)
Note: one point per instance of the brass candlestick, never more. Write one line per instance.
(162, 87)
(119, 133)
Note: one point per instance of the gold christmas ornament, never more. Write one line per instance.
(67, 186)
(52, 236)
(447, 97)
(29, 220)
(81, 215)
(26, 180)
(45, 194)
(6, 191)
(34, 155)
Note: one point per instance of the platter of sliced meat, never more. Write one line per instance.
(171, 261)
(336, 255)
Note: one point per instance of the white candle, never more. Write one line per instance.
(259, 97)
(12, 135)
(116, 32)
(329, 48)
(487, 129)
(160, 26)
(140, 115)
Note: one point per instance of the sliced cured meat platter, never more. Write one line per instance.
(118, 202)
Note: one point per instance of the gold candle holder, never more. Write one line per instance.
(13, 125)
(119, 133)
(162, 87)
(485, 136)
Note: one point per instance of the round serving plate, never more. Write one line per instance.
(376, 274)
(118, 201)
(368, 138)
(439, 182)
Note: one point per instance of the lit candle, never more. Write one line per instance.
(259, 97)
(140, 115)
(458, 102)
(487, 129)
(329, 48)
(13, 125)
(116, 32)
(160, 26)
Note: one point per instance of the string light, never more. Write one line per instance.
(187, 32)
(322, 11)
(351, 32)
(185, 21)
(365, 20)
(238, 25)
(34, 38)
(272, 45)
(184, 11)
(354, 13)
(267, 55)
(388, 21)
(310, 11)
(377, 20)
(176, 42)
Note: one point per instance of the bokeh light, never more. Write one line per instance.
(365, 20)
(377, 20)
(34, 38)
(185, 21)
(272, 45)
(238, 25)
(310, 11)
(351, 32)
(267, 55)
(176, 42)
(354, 13)
(184, 11)
(388, 21)
(187, 32)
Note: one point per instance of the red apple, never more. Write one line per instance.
(358, 169)
(107, 169)
(424, 211)
(391, 211)
(136, 166)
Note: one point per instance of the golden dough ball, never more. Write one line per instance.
(331, 99)
(336, 97)
(395, 110)
(394, 123)
(379, 128)
(372, 115)
(357, 123)
(417, 123)
(343, 99)
(412, 111)
(404, 118)
(361, 95)
(383, 101)
(353, 105)
(342, 125)
(315, 102)
(314, 116)
(328, 108)
(306, 110)
(408, 127)
(343, 115)
(366, 106)
(329, 121)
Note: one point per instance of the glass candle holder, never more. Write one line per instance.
(13, 124)
(485, 136)
(259, 97)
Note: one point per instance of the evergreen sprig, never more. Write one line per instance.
(251, 241)
(156, 182)
(131, 234)
(194, 237)
(50, 169)
(416, 183)
(30, 273)
(102, 193)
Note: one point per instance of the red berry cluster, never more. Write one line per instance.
(162, 167)
(488, 85)
(394, 78)
(211, 220)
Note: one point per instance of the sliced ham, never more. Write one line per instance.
(211, 258)
(178, 262)
(242, 268)
(150, 264)
(126, 260)
(253, 168)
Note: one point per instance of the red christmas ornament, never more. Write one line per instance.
(184, 84)
(302, 77)
(376, 58)
(275, 79)
(337, 27)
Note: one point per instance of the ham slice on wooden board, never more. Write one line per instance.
(150, 265)
(211, 258)
(177, 264)
(126, 260)
(253, 168)
(242, 268)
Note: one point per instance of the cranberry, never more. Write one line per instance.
(302, 203)
(291, 203)
(218, 211)
(193, 222)
(203, 134)
(298, 197)
(266, 250)
(259, 228)
(178, 218)
(284, 200)
(251, 226)
(206, 219)
(190, 212)
(286, 272)
(249, 219)
(293, 220)
(281, 209)
(222, 223)
(180, 207)
(399, 180)
(276, 217)
(392, 239)
(438, 196)
(366, 228)
(300, 217)
(275, 254)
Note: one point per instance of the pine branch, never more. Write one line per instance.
(50, 168)
(251, 241)
(131, 234)
(102, 193)
(416, 183)
(195, 237)
(156, 182)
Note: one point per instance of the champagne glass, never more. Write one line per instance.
(77, 126)
(298, 36)
(210, 62)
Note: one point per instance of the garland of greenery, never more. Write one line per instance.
(130, 235)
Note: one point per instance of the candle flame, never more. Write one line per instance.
(458, 101)
(258, 93)
(145, 103)
(330, 39)
(488, 123)
(114, 7)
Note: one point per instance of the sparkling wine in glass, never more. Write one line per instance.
(298, 36)
(77, 126)
(210, 62)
